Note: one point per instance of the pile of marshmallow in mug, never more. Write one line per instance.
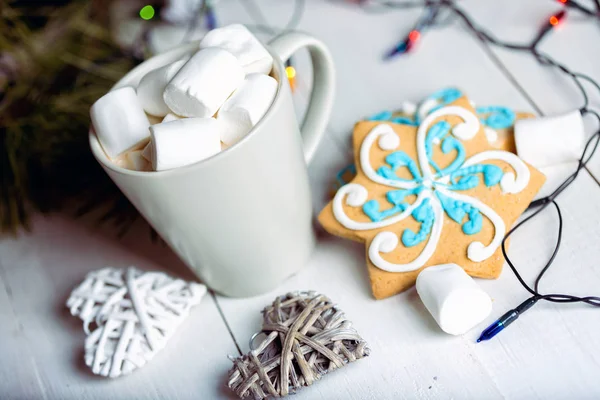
(207, 102)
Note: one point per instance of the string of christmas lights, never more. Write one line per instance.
(589, 150)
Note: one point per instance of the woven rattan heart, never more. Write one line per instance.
(307, 337)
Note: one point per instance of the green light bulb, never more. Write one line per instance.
(147, 12)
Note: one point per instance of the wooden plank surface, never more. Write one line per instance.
(41, 344)
(549, 353)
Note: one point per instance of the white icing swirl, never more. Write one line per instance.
(464, 131)
(386, 242)
(365, 157)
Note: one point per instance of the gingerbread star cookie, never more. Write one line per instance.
(430, 194)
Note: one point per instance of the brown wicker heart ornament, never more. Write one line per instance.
(307, 337)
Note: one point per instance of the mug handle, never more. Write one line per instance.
(321, 98)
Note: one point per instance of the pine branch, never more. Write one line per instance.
(50, 75)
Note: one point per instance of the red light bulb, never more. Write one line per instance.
(557, 18)
(413, 36)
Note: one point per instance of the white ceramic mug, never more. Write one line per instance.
(241, 220)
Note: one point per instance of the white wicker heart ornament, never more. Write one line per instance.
(129, 315)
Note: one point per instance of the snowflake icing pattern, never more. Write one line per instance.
(437, 189)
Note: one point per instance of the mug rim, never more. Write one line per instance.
(101, 156)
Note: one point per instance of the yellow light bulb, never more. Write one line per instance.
(290, 72)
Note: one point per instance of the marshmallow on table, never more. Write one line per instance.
(238, 40)
(204, 83)
(119, 121)
(547, 141)
(453, 298)
(153, 84)
(246, 107)
(182, 142)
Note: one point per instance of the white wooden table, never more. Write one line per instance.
(551, 352)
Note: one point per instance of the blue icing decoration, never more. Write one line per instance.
(395, 197)
(382, 116)
(465, 183)
(425, 215)
(448, 145)
(404, 120)
(444, 97)
(389, 116)
(457, 210)
(371, 209)
(439, 131)
(497, 117)
(397, 160)
(449, 206)
(492, 174)
(475, 222)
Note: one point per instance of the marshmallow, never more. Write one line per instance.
(183, 142)
(154, 120)
(246, 107)
(147, 151)
(204, 83)
(547, 141)
(453, 298)
(153, 84)
(135, 161)
(171, 117)
(239, 41)
(119, 121)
